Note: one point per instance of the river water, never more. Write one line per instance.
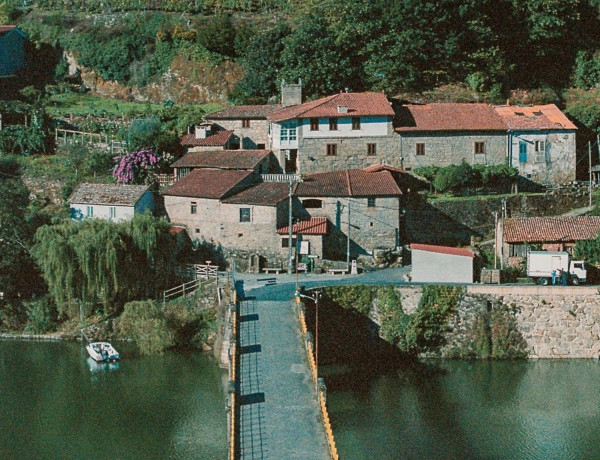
(384, 406)
(55, 403)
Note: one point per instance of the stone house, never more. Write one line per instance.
(441, 264)
(12, 50)
(207, 136)
(259, 161)
(442, 134)
(362, 205)
(249, 122)
(115, 202)
(541, 142)
(515, 236)
(345, 130)
(230, 207)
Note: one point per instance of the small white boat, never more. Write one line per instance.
(102, 352)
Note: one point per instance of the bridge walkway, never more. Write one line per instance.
(279, 412)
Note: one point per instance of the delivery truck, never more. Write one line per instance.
(555, 267)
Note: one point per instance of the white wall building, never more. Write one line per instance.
(441, 264)
(110, 201)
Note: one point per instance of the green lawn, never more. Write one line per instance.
(62, 105)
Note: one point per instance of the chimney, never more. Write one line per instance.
(291, 94)
(508, 102)
(202, 131)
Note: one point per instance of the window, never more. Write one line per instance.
(245, 123)
(197, 230)
(312, 204)
(371, 202)
(333, 124)
(288, 131)
(522, 152)
(420, 148)
(371, 149)
(331, 150)
(112, 212)
(355, 123)
(479, 148)
(540, 146)
(314, 124)
(193, 207)
(285, 242)
(260, 146)
(244, 214)
(90, 211)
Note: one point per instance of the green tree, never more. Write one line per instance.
(144, 323)
(99, 262)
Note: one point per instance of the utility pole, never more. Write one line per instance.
(290, 223)
(348, 240)
(590, 171)
(495, 240)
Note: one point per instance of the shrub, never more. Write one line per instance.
(144, 323)
(41, 315)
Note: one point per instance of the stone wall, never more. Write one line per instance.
(443, 149)
(555, 322)
(250, 137)
(352, 153)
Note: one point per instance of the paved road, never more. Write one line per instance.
(279, 413)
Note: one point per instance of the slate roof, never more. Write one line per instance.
(222, 159)
(107, 194)
(358, 104)
(208, 183)
(442, 249)
(537, 117)
(350, 182)
(550, 229)
(218, 139)
(258, 112)
(261, 194)
(312, 226)
(448, 117)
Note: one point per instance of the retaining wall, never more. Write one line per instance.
(555, 321)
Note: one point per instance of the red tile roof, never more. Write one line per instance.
(244, 111)
(209, 183)
(262, 194)
(350, 182)
(313, 226)
(6, 28)
(358, 104)
(222, 159)
(550, 229)
(219, 139)
(537, 117)
(382, 167)
(448, 117)
(442, 250)
(176, 229)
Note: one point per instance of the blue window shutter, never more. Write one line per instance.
(522, 152)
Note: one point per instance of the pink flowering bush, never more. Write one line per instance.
(136, 167)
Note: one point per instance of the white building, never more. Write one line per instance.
(115, 202)
(441, 264)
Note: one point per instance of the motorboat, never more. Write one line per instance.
(102, 352)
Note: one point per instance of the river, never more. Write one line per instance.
(384, 406)
(55, 402)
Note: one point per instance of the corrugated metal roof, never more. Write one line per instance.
(551, 229)
(222, 159)
(218, 139)
(107, 194)
(537, 117)
(208, 183)
(448, 117)
(355, 104)
(351, 182)
(312, 226)
(442, 249)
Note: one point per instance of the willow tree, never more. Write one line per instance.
(97, 262)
